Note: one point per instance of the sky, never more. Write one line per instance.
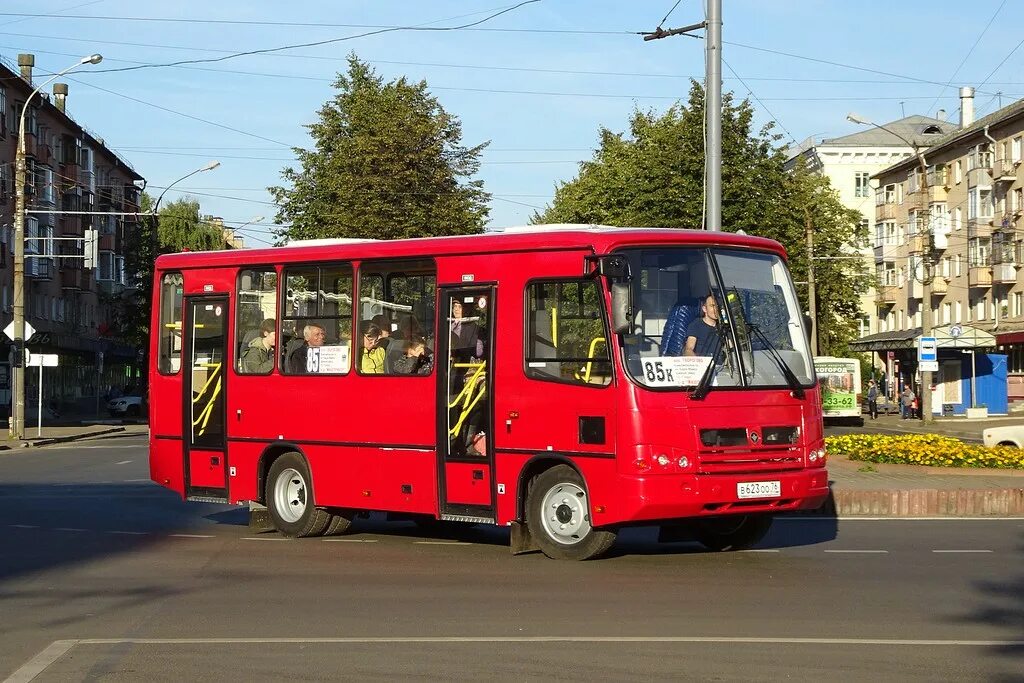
(538, 81)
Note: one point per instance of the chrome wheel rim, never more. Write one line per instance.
(290, 495)
(565, 514)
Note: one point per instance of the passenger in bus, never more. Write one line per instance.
(702, 337)
(258, 357)
(381, 321)
(466, 343)
(415, 359)
(312, 336)
(371, 358)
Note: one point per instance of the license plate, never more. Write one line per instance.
(758, 489)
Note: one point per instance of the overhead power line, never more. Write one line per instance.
(322, 42)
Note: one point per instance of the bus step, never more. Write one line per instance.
(467, 518)
(207, 499)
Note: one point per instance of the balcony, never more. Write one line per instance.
(1004, 273)
(39, 268)
(106, 243)
(940, 240)
(886, 252)
(915, 290)
(71, 278)
(917, 244)
(885, 295)
(979, 227)
(979, 276)
(885, 212)
(1008, 221)
(940, 286)
(1005, 171)
(70, 226)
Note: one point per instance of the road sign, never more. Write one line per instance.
(29, 331)
(928, 366)
(927, 350)
(44, 360)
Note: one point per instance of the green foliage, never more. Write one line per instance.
(654, 176)
(387, 162)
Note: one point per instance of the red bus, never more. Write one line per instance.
(566, 381)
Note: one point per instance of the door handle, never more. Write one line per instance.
(478, 474)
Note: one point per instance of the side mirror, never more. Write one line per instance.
(620, 308)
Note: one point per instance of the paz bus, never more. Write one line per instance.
(539, 378)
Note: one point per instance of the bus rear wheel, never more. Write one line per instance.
(289, 496)
(558, 517)
(737, 532)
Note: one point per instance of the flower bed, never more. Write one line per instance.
(923, 449)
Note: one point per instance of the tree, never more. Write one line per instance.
(654, 176)
(179, 228)
(387, 162)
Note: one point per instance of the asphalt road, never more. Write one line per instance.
(106, 576)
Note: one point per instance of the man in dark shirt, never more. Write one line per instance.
(702, 337)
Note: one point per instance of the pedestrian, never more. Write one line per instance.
(872, 400)
(907, 399)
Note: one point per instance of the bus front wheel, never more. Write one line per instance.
(558, 516)
(737, 532)
(289, 496)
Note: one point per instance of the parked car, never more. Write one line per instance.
(130, 406)
(1010, 435)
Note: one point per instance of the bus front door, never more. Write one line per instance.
(205, 444)
(464, 360)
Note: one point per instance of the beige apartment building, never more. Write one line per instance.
(954, 231)
(67, 302)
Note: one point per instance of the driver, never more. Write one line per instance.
(702, 337)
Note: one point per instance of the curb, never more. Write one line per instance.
(912, 503)
(64, 439)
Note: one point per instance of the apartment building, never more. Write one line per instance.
(954, 228)
(67, 301)
(850, 162)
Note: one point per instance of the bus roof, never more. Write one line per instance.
(600, 238)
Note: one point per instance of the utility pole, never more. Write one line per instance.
(713, 116)
(812, 296)
(712, 107)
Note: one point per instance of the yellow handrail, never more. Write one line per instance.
(470, 394)
(214, 374)
(554, 327)
(590, 363)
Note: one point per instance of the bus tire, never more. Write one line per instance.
(289, 496)
(339, 522)
(735, 532)
(558, 516)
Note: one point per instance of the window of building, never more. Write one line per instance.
(398, 299)
(1017, 308)
(945, 267)
(971, 305)
(863, 234)
(105, 273)
(316, 320)
(171, 300)
(861, 184)
(947, 313)
(979, 313)
(566, 338)
(958, 316)
(958, 171)
(959, 266)
(256, 314)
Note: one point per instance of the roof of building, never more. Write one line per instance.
(1011, 111)
(922, 130)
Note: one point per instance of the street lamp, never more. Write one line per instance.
(154, 214)
(926, 280)
(254, 219)
(17, 423)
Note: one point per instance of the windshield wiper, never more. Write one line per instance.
(704, 385)
(773, 353)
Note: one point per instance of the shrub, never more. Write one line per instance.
(923, 449)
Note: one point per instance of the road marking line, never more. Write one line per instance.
(962, 551)
(123, 462)
(191, 536)
(831, 518)
(41, 661)
(258, 538)
(129, 533)
(23, 526)
(760, 550)
(879, 552)
(350, 540)
(66, 528)
(129, 481)
(549, 639)
(441, 543)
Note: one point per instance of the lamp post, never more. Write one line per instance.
(926, 280)
(254, 219)
(17, 423)
(154, 214)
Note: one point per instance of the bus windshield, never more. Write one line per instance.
(706, 318)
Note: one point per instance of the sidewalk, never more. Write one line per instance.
(65, 433)
(870, 489)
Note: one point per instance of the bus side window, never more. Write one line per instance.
(171, 302)
(257, 312)
(567, 340)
